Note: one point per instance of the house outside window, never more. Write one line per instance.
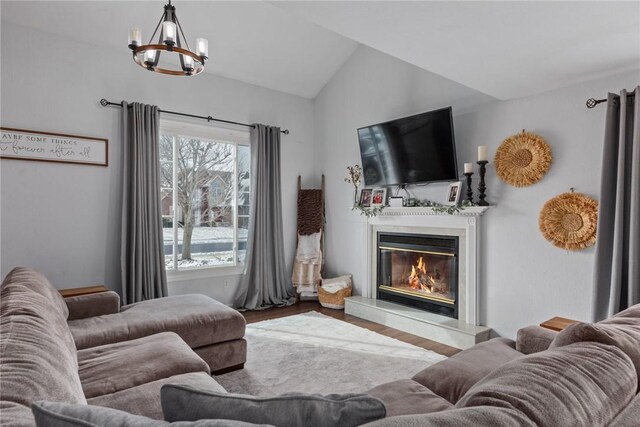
(205, 195)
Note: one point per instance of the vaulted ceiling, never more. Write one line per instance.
(503, 49)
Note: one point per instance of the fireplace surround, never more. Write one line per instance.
(458, 260)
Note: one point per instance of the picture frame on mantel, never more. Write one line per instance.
(379, 197)
(453, 193)
(365, 197)
(23, 144)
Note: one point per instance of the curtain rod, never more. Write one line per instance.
(592, 102)
(104, 103)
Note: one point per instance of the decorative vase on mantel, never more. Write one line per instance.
(353, 177)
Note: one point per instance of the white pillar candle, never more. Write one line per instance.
(468, 168)
(482, 153)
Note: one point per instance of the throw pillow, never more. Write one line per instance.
(584, 384)
(452, 377)
(51, 414)
(621, 332)
(184, 403)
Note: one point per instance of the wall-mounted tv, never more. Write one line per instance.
(410, 150)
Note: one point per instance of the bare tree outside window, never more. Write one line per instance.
(204, 193)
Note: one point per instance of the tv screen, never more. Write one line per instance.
(410, 150)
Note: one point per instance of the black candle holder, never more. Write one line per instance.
(469, 189)
(482, 187)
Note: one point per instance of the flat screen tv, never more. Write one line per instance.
(415, 149)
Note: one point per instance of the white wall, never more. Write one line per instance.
(526, 280)
(370, 88)
(64, 220)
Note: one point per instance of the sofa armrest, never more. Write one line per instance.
(534, 339)
(83, 306)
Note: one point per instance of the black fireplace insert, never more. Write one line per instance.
(419, 270)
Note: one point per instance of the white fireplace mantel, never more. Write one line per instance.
(465, 224)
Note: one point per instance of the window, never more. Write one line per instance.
(205, 195)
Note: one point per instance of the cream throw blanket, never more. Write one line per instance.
(308, 263)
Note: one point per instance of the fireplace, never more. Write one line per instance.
(419, 270)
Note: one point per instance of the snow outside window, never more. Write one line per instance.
(205, 195)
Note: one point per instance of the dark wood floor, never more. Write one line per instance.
(306, 306)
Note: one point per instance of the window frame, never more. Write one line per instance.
(212, 133)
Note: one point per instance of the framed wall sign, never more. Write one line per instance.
(22, 144)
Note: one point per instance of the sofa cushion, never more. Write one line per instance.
(404, 397)
(583, 384)
(622, 332)
(481, 416)
(37, 354)
(50, 414)
(83, 306)
(632, 312)
(184, 403)
(452, 377)
(629, 416)
(110, 368)
(534, 339)
(39, 284)
(145, 399)
(198, 319)
(223, 355)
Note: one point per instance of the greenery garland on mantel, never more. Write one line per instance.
(371, 212)
(445, 209)
(368, 211)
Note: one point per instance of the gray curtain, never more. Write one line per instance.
(265, 282)
(617, 266)
(142, 255)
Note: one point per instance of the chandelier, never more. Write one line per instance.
(180, 61)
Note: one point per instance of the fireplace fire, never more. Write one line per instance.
(427, 281)
(419, 270)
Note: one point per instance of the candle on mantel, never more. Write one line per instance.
(468, 168)
(482, 153)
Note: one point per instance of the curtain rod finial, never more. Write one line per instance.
(286, 131)
(104, 102)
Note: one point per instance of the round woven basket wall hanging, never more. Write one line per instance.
(523, 159)
(569, 221)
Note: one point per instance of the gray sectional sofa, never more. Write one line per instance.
(87, 350)
(586, 375)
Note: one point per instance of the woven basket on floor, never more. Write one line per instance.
(336, 300)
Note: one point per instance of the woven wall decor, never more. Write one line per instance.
(523, 159)
(569, 221)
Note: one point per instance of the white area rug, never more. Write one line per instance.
(314, 353)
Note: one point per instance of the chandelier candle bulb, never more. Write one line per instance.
(169, 32)
(468, 168)
(135, 37)
(482, 153)
(188, 62)
(202, 47)
(149, 56)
